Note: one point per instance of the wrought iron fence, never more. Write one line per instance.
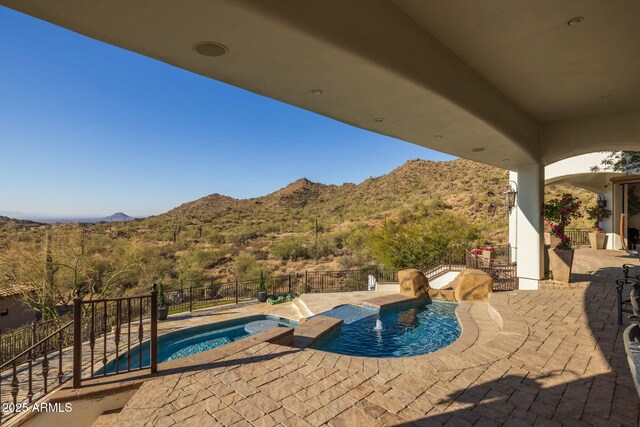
(27, 377)
(193, 298)
(14, 341)
(504, 274)
(102, 332)
(112, 326)
(579, 237)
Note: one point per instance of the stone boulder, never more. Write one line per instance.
(413, 283)
(472, 285)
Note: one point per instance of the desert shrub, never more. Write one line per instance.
(291, 248)
(420, 242)
(358, 243)
(246, 266)
(191, 265)
(213, 236)
(206, 258)
(323, 246)
(242, 235)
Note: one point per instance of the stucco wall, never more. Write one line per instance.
(18, 315)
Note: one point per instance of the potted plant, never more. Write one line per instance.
(558, 214)
(598, 237)
(262, 288)
(163, 310)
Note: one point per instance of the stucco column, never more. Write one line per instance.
(513, 223)
(530, 226)
(607, 225)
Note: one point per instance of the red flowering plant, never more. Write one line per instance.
(597, 214)
(479, 251)
(558, 214)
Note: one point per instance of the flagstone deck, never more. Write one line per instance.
(550, 357)
(558, 360)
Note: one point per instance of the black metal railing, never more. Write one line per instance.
(579, 238)
(17, 340)
(27, 377)
(504, 273)
(112, 327)
(105, 331)
(194, 298)
(453, 260)
(625, 305)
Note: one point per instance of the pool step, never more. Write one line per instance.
(314, 329)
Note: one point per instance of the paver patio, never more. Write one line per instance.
(549, 357)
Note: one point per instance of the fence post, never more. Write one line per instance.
(289, 282)
(236, 291)
(77, 340)
(154, 329)
(306, 281)
(190, 298)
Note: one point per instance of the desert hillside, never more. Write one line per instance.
(466, 187)
(399, 219)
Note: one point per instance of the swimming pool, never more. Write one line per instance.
(406, 330)
(188, 341)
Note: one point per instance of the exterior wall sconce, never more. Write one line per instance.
(510, 195)
(602, 202)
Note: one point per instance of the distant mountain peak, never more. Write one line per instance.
(300, 184)
(117, 217)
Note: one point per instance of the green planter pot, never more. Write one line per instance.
(163, 313)
(262, 296)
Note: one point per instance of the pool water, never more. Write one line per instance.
(407, 330)
(188, 341)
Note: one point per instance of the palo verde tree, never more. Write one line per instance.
(49, 271)
(620, 161)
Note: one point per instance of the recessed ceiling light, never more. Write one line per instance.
(210, 49)
(316, 91)
(378, 119)
(477, 149)
(575, 20)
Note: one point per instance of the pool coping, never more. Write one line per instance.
(388, 301)
(97, 387)
(463, 353)
(312, 330)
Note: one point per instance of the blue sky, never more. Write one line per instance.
(87, 129)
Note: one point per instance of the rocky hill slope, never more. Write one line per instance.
(469, 188)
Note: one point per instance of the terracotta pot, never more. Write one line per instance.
(561, 261)
(597, 240)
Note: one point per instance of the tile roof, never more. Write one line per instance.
(12, 290)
